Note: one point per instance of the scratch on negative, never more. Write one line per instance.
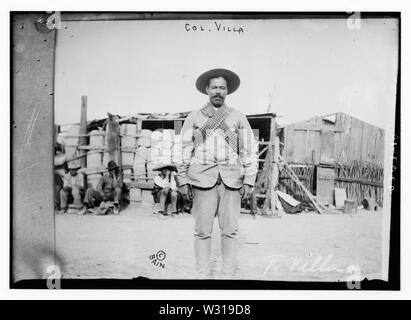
(28, 134)
(30, 128)
(26, 168)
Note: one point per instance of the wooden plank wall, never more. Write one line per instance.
(359, 141)
(302, 146)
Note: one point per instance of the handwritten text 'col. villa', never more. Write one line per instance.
(213, 27)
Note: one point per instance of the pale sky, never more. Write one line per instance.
(310, 67)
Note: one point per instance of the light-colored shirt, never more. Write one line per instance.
(73, 181)
(166, 182)
(108, 183)
(202, 163)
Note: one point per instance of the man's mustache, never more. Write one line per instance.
(217, 96)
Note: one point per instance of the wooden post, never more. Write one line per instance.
(83, 140)
(269, 203)
(113, 137)
(120, 157)
(275, 177)
(83, 130)
(268, 165)
(113, 142)
(270, 191)
(273, 172)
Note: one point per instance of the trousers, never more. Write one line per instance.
(163, 195)
(93, 197)
(73, 196)
(225, 203)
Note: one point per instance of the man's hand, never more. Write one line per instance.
(120, 182)
(186, 192)
(246, 191)
(80, 187)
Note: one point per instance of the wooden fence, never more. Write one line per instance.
(361, 179)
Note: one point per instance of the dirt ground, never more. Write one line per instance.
(309, 246)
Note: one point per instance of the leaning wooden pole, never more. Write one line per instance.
(276, 178)
(269, 207)
(266, 180)
(83, 130)
(273, 183)
(295, 178)
(120, 156)
(113, 137)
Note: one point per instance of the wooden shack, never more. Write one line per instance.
(336, 150)
(338, 137)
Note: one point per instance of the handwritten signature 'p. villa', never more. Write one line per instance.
(216, 26)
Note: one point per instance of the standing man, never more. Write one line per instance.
(218, 169)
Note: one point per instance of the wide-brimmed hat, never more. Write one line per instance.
(73, 165)
(112, 165)
(171, 167)
(106, 207)
(233, 80)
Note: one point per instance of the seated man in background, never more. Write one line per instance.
(109, 188)
(60, 170)
(165, 189)
(58, 186)
(73, 190)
